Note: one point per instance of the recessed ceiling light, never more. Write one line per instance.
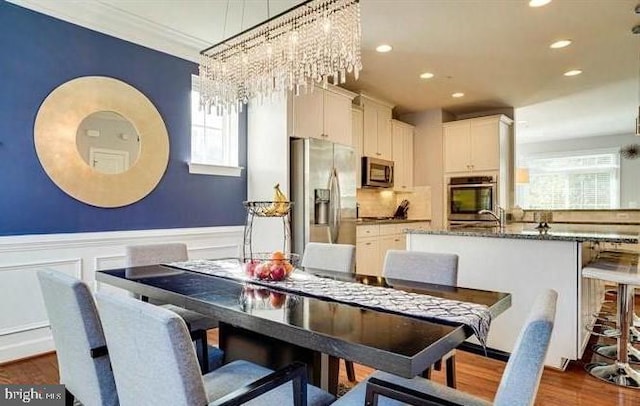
(560, 44)
(538, 3)
(426, 75)
(458, 94)
(384, 48)
(574, 72)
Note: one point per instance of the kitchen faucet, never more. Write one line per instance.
(500, 218)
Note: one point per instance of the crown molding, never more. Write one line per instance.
(108, 19)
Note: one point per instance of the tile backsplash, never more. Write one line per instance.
(604, 221)
(382, 203)
(376, 203)
(630, 217)
(420, 202)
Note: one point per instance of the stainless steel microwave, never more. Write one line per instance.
(376, 172)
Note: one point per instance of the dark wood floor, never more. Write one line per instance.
(476, 374)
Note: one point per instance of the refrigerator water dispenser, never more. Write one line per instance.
(321, 198)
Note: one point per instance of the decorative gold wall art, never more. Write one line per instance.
(55, 132)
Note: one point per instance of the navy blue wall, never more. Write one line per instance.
(37, 54)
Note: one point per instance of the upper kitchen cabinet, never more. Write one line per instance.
(476, 144)
(377, 140)
(324, 114)
(402, 134)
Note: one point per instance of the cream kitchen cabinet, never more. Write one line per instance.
(391, 238)
(367, 231)
(477, 145)
(324, 114)
(402, 134)
(377, 139)
(367, 262)
(357, 134)
(374, 240)
(367, 250)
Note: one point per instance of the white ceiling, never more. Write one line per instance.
(495, 51)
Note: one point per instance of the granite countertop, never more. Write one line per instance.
(368, 221)
(555, 233)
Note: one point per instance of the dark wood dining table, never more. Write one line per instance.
(274, 327)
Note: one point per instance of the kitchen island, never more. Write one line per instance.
(523, 261)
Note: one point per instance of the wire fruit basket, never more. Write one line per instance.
(293, 259)
(260, 209)
(268, 208)
(274, 266)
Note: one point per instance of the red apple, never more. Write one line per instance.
(261, 271)
(278, 272)
(250, 267)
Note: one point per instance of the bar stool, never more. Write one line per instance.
(620, 371)
(630, 257)
(614, 260)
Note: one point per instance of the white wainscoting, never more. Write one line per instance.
(24, 327)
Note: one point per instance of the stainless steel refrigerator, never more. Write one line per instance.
(323, 189)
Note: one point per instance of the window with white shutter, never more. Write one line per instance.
(214, 138)
(572, 180)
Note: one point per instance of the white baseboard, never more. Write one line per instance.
(25, 332)
(26, 349)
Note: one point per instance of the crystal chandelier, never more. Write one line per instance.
(304, 45)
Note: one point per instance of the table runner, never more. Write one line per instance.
(474, 315)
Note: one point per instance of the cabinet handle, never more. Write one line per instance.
(368, 243)
(377, 153)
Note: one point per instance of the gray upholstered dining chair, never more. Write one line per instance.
(329, 257)
(154, 363)
(336, 258)
(83, 361)
(427, 267)
(198, 324)
(518, 386)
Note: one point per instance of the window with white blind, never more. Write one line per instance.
(572, 180)
(214, 139)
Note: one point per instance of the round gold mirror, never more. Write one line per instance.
(69, 117)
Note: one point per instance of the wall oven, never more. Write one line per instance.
(377, 172)
(470, 194)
